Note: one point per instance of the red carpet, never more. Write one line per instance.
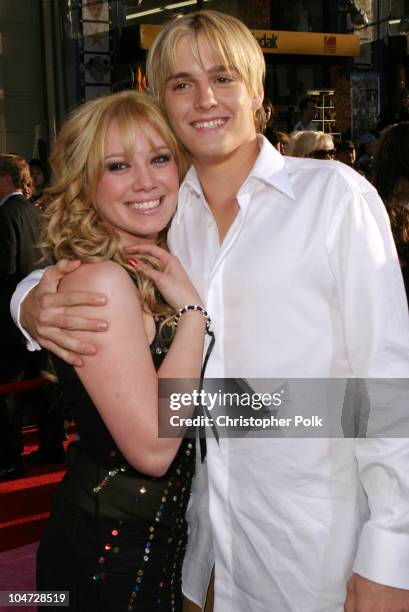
(24, 507)
(25, 503)
(17, 573)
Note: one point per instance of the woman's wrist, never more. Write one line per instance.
(193, 308)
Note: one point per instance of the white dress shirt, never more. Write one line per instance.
(23, 288)
(305, 284)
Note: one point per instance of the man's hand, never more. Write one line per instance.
(366, 596)
(43, 315)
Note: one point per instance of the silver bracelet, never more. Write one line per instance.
(189, 308)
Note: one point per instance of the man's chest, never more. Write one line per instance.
(263, 251)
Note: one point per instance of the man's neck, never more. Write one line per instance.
(221, 181)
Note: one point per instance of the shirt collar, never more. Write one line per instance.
(191, 182)
(4, 200)
(270, 168)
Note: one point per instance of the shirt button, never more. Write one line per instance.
(210, 224)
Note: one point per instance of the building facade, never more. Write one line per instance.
(56, 54)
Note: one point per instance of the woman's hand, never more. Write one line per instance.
(173, 282)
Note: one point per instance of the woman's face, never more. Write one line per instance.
(137, 197)
(38, 176)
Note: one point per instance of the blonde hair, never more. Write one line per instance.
(228, 37)
(73, 227)
(302, 144)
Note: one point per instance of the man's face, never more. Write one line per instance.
(310, 111)
(347, 156)
(209, 108)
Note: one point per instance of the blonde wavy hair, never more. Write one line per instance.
(73, 227)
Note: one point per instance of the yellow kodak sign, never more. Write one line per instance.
(307, 43)
(282, 42)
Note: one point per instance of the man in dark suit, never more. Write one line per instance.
(19, 235)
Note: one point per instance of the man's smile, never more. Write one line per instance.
(209, 124)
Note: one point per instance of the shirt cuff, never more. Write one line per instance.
(22, 289)
(383, 557)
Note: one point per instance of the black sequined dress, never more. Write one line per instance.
(115, 538)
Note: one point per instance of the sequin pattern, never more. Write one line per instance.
(171, 503)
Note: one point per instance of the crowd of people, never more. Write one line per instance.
(288, 263)
(380, 157)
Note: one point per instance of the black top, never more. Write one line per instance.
(98, 477)
(94, 437)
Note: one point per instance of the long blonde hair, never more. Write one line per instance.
(73, 228)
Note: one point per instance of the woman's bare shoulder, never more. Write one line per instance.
(98, 276)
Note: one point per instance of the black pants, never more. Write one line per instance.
(45, 404)
(12, 366)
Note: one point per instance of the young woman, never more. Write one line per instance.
(311, 144)
(117, 533)
(39, 179)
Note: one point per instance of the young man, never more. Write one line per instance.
(346, 152)
(296, 262)
(308, 108)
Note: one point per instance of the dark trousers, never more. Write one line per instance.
(17, 364)
(11, 369)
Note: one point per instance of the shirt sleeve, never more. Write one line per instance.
(383, 546)
(23, 288)
(370, 289)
